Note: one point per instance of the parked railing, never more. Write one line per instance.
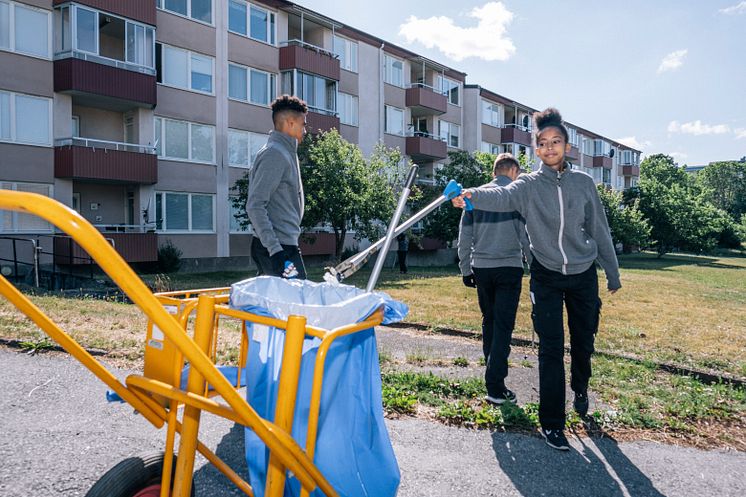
(431, 88)
(425, 134)
(309, 46)
(105, 145)
(125, 228)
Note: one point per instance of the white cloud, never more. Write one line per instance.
(487, 40)
(734, 9)
(678, 156)
(632, 141)
(740, 133)
(697, 128)
(672, 61)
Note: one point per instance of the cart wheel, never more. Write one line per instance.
(138, 476)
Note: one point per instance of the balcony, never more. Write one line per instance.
(321, 120)
(423, 100)
(630, 170)
(94, 76)
(603, 161)
(513, 133)
(138, 10)
(424, 147)
(99, 160)
(573, 154)
(296, 54)
(134, 246)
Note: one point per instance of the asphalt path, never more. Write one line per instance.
(59, 435)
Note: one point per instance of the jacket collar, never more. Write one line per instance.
(501, 180)
(550, 173)
(283, 139)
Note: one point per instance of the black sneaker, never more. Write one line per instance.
(499, 399)
(581, 403)
(555, 439)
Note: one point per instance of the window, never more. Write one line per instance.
(394, 71)
(601, 147)
(199, 10)
(25, 119)
(628, 157)
(24, 29)
(449, 88)
(251, 85)
(347, 106)
(243, 147)
(573, 136)
(181, 140)
(188, 212)
(491, 114)
(587, 146)
(346, 50)
(104, 36)
(394, 121)
(450, 133)
(607, 176)
(251, 20)
(16, 222)
(183, 69)
(319, 93)
(490, 148)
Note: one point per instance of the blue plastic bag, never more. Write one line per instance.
(353, 449)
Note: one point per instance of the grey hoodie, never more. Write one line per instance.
(492, 239)
(565, 219)
(275, 199)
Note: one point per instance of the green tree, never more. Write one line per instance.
(342, 189)
(680, 217)
(724, 184)
(628, 226)
(468, 169)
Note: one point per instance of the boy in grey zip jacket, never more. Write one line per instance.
(275, 198)
(491, 247)
(568, 232)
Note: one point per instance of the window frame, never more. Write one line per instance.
(250, 136)
(388, 70)
(161, 5)
(387, 120)
(161, 140)
(271, 85)
(271, 22)
(496, 111)
(343, 99)
(189, 53)
(447, 138)
(14, 215)
(12, 30)
(441, 86)
(348, 45)
(190, 230)
(12, 115)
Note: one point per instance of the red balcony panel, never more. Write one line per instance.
(321, 122)
(309, 60)
(317, 244)
(138, 10)
(602, 161)
(98, 164)
(573, 154)
(430, 244)
(516, 135)
(425, 149)
(630, 170)
(425, 102)
(82, 76)
(133, 247)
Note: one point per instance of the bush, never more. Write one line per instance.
(169, 257)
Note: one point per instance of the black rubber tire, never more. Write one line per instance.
(130, 476)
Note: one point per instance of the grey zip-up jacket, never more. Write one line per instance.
(275, 199)
(565, 219)
(492, 239)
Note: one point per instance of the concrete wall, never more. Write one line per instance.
(186, 177)
(176, 31)
(185, 105)
(100, 124)
(26, 163)
(370, 110)
(249, 117)
(192, 246)
(28, 74)
(110, 201)
(472, 129)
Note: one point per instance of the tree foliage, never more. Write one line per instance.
(343, 190)
(628, 226)
(724, 184)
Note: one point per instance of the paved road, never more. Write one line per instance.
(59, 435)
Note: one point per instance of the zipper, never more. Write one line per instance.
(561, 228)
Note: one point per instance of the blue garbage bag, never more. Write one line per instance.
(353, 449)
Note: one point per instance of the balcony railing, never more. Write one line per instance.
(425, 147)
(297, 54)
(321, 120)
(425, 100)
(301, 43)
(119, 64)
(515, 133)
(105, 145)
(126, 228)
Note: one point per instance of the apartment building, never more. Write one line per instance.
(142, 114)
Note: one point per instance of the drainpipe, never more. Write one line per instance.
(381, 107)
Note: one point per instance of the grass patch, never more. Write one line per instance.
(461, 362)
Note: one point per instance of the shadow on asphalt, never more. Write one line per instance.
(593, 467)
(209, 481)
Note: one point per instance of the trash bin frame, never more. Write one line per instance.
(158, 401)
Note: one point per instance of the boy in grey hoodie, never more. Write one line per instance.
(275, 198)
(491, 247)
(568, 231)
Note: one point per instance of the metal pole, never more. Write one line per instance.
(392, 227)
(15, 260)
(36, 262)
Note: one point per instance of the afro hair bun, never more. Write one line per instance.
(547, 118)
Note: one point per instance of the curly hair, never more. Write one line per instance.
(548, 118)
(287, 103)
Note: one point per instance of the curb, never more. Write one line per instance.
(707, 377)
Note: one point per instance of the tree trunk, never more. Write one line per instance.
(339, 242)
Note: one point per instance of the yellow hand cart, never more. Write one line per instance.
(158, 395)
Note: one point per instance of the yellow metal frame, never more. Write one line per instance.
(157, 394)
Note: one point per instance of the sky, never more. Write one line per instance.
(662, 76)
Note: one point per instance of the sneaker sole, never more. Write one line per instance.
(556, 447)
(498, 402)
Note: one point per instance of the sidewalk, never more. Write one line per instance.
(60, 436)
